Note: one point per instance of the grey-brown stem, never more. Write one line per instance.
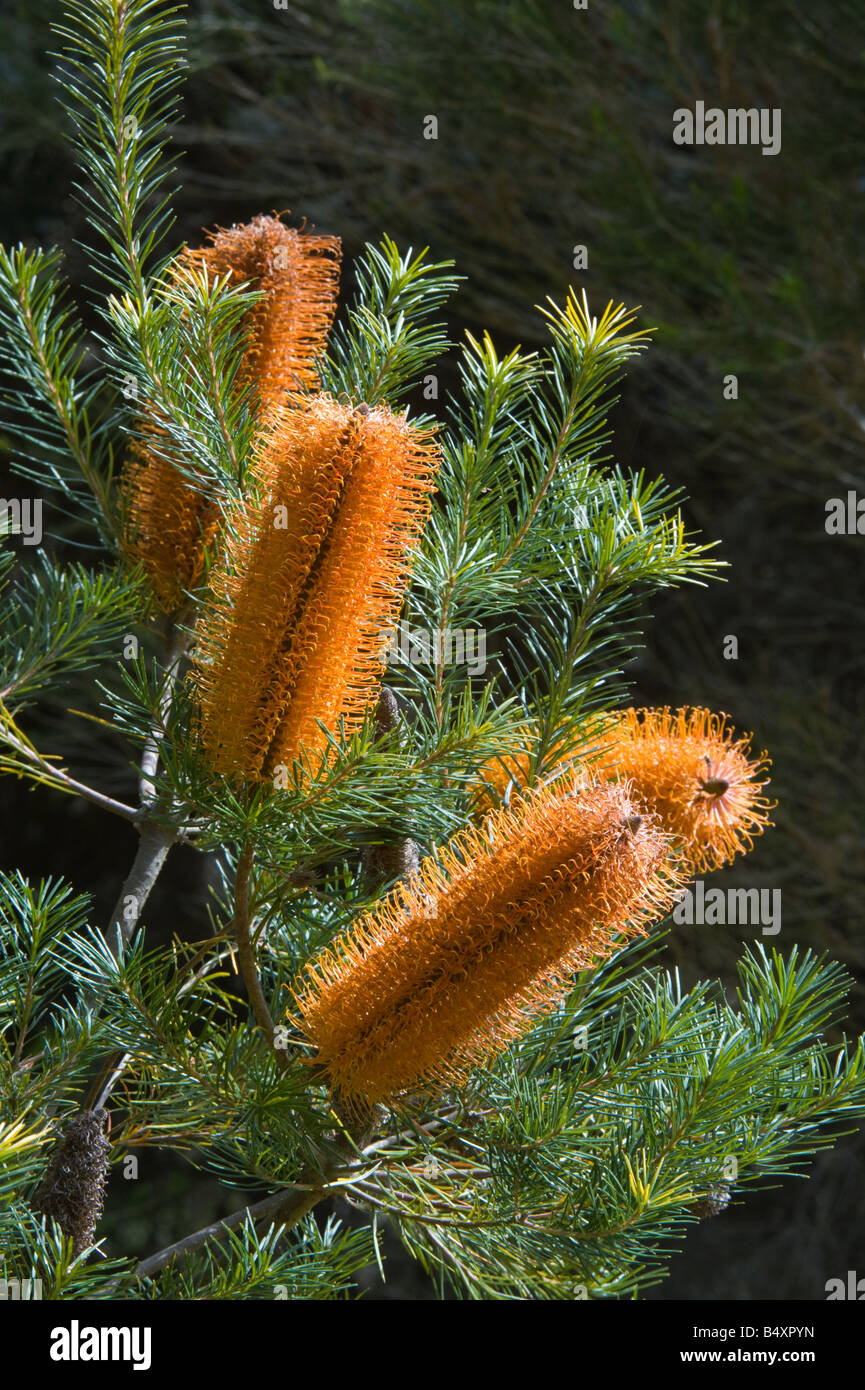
(283, 1208)
(154, 843)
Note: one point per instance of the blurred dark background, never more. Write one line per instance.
(555, 131)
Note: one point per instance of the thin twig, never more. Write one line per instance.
(153, 846)
(106, 1081)
(61, 781)
(152, 852)
(246, 953)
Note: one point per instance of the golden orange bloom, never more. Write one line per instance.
(312, 575)
(168, 524)
(461, 958)
(299, 277)
(687, 767)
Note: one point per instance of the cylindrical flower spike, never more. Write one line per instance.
(298, 275)
(687, 767)
(169, 523)
(459, 960)
(312, 575)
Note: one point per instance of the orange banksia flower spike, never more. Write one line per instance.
(459, 961)
(702, 781)
(686, 767)
(169, 523)
(312, 576)
(73, 1189)
(298, 275)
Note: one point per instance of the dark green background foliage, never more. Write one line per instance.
(554, 130)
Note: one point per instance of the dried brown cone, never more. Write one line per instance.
(387, 716)
(391, 861)
(460, 960)
(312, 574)
(73, 1189)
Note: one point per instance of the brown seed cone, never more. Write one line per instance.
(386, 712)
(460, 960)
(313, 572)
(385, 863)
(73, 1189)
(687, 767)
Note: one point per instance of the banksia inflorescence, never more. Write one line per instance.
(168, 522)
(312, 575)
(459, 961)
(689, 767)
(686, 766)
(298, 276)
(73, 1189)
